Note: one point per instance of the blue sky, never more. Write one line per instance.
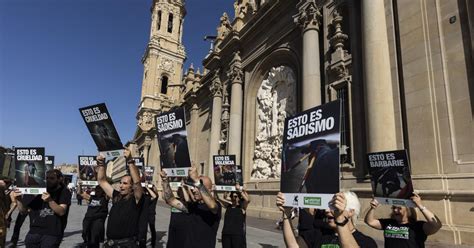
(59, 55)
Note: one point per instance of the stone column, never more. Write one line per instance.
(216, 90)
(236, 102)
(309, 19)
(377, 78)
(194, 132)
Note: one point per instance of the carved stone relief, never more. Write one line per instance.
(167, 65)
(276, 99)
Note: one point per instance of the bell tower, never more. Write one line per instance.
(162, 84)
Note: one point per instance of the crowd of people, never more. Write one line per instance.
(196, 210)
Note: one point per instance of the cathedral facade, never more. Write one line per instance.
(403, 70)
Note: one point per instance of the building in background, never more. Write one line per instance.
(403, 69)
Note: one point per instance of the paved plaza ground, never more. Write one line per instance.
(261, 233)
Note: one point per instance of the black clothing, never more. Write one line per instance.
(124, 216)
(234, 228)
(143, 222)
(332, 240)
(43, 220)
(234, 221)
(20, 218)
(233, 241)
(178, 234)
(39, 241)
(93, 224)
(97, 207)
(204, 225)
(410, 235)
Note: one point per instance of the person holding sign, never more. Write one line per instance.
(233, 233)
(127, 203)
(402, 228)
(345, 208)
(179, 220)
(148, 215)
(93, 224)
(48, 212)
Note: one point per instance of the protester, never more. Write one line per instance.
(79, 199)
(204, 210)
(147, 216)
(127, 203)
(233, 233)
(345, 208)
(93, 224)
(47, 212)
(402, 228)
(180, 218)
(4, 208)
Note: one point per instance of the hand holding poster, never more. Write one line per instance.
(310, 163)
(225, 172)
(87, 172)
(173, 143)
(100, 125)
(391, 179)
(30, 170)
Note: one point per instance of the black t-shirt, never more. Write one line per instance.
(410, 235)
(152, 207)
(123, 217)
(331, 240)
(234, 221)
(204, 225)
(43, 220)
(179, 229)
(97, 207)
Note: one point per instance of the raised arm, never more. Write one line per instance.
(82, 193)
(224, 202)
(13, 205)
(245, 196)
(370, 216)
(433, 223)
(344, 232)
(288, 234)
(152, 192)
(108, 189)
(206, 195)
(168, 195)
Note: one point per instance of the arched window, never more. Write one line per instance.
(170, 23)
(159, 20)
(164, 85)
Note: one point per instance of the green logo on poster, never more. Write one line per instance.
(227, 188)
(314, 201)
(180, 172)
(34, 191)
(115, 153)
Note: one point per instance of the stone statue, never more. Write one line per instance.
(276, 99)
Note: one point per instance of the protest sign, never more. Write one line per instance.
(87, 173)
(49, 162)
(149, 174)
(30, 170)
(391, 178)
(173, 143)
(102, 129)
(310, 163)
(225, 171)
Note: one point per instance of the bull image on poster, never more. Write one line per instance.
(30, 170)
(225, 172)
(310, 157)
(49, 162)
(102, 129)
(391, 177)
(87, 173)
(173, 142)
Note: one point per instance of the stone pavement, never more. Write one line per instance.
(261, 233)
